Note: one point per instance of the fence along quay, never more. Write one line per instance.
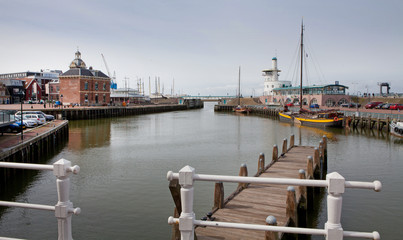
(270, 205)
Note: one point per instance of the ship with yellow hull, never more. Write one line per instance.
(322, 119)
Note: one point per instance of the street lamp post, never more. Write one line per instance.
(22, 116)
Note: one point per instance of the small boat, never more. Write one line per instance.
(326, 118)
(396, 129)
(239, 108)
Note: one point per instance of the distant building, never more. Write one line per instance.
(4, 95)
(33, 90)
(83, 86)
(14, 87)
(325, 95)
(127, 95)
(41, 78)
(282, 92)
(53, 90)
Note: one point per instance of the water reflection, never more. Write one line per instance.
(89, 133)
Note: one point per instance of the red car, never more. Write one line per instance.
(372, 104)
(396, 107)
(290, 104)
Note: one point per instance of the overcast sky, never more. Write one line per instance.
(201, 44)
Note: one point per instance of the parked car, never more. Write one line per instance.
(290, 104)
(27, 122)
(386, 106)
(396, 107)
(47, 116)
(351, 105)
(379, 106)
(14, 127)
(315, 105)
(372, 104)
(39, 118)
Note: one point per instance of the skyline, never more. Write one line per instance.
(202, 44)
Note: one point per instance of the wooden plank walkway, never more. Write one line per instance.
(252, 205)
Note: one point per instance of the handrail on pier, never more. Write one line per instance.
(335, 184)
(64, 208)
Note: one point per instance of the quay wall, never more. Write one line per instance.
(31, 150)
(78, 113)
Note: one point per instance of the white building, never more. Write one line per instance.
(271, 79)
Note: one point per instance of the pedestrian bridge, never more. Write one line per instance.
(210, 98)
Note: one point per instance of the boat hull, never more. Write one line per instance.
(313, 122)
(396, 130)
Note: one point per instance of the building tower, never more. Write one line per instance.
(271, 79)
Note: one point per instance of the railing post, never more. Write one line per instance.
(64, 208)
(187, 215)
(243, 171)
(275, 154)
(269, 235)
(333, 227)
(261, 164)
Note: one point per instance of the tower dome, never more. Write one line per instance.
(78, 62)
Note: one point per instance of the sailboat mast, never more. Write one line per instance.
(302, 58)
(239, 86)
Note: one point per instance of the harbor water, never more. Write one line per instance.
(123, 192)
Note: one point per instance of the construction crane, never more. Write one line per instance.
(113, 79)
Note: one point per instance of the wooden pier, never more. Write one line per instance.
(368, 123)
(253, 203)
(256, 110)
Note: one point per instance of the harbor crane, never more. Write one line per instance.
(113, 78)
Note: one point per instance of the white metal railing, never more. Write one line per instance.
(64, 208)
(334, 182)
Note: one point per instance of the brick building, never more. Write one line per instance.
(83, 86)
(33, 90)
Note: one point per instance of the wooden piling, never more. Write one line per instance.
(302, 207)
(261, 164)
(275, 154)
(292, 141)
(218, 195)
(309, 175)
(271, 220)
(324, 155)
(243, 171)
(284, 151)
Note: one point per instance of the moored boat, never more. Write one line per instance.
(241, 109)
(396, 129)
(328, 118)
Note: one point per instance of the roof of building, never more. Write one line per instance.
(77, 62)
(78, 68)
(308, 87)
